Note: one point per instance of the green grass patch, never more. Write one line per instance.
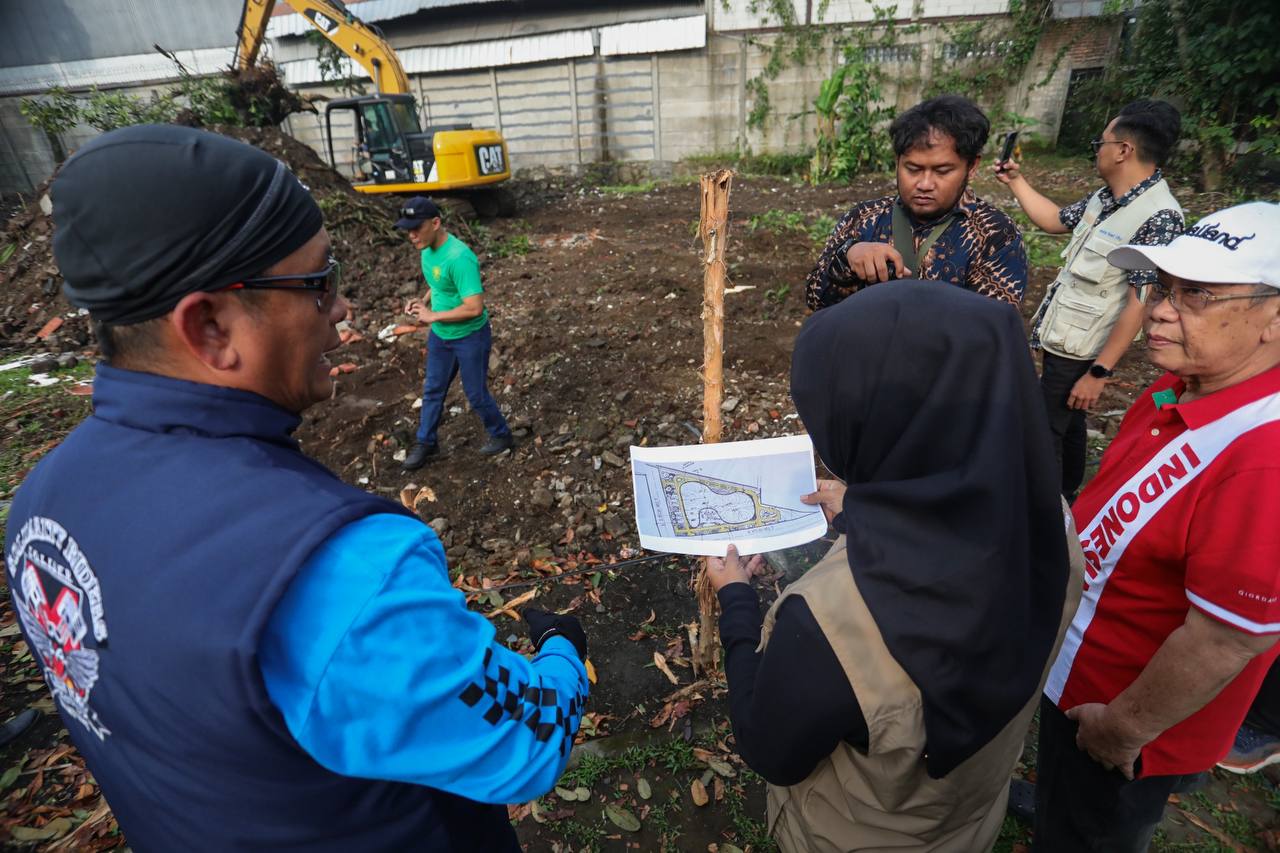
(629, 189)
(34, 420)
(513, 245)
(673, 756)
(664, 821)
(1161, 843)
(1043, 249)
(819, 229)
(588, 837)
(785, 165)
(777, 220)
(1012, 831)
(751, 832)
(516, 244)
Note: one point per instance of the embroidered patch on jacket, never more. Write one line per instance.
(52, 584)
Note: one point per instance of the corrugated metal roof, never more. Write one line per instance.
(114, 70)
(370, 11)
(459, 57)
(498, 52)
(654, 36)
(617, 39)
(42, 32)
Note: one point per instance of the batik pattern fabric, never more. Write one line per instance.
(980, 250)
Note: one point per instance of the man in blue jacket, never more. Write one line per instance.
(249, 653)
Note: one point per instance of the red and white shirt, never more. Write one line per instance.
(1183, 513)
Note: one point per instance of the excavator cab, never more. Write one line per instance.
(395, 154)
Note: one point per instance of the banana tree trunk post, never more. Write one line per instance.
(714, 230)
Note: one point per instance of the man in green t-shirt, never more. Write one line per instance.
(459, 340)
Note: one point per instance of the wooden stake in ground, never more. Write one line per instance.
(714, 230)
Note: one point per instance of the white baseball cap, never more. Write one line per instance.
(1239, 245)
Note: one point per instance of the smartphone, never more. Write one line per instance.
(1006, 150)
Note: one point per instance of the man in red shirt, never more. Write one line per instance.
(1180, 616)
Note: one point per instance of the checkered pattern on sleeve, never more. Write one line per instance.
(544, 710)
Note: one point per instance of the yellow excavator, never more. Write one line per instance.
(394, 153)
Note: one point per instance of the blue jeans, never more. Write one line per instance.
(445, 360)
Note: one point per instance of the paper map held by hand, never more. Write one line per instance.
(697, 499)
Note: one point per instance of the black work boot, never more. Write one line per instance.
(418, 456)
(497, 444)
(19, 724)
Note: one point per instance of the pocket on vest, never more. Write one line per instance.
(1074, 324)
(1091, 265)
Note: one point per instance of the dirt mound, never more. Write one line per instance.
(31, 301)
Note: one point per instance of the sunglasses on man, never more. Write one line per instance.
(325, 283)
(1097, 144)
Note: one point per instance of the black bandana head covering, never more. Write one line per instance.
(922, 398)
(145, 215)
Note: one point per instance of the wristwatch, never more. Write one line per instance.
(1097, 371)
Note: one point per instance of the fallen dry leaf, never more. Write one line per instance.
(661, 663)
(622, 818)
(698, 792)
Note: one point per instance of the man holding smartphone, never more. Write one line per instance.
(934, 227)
(1093, 310)
(460, 338)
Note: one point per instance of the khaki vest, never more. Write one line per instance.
(884, 800)
(1076, 318)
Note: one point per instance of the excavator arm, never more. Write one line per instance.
(352, 36)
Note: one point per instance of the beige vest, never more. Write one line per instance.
(884, 800)
(1075, 320)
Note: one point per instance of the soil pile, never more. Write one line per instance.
(31, 300)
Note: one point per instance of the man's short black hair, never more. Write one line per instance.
(133, 345)
(952, 115)
(1151, 126)
(140, 345)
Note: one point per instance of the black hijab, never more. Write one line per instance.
(922, 397)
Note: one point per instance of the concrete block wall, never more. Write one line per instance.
(961, 8)
(661, 107)
(536, 112)
(701, 99)
(1066, 46)
(616, 108)
(740, 14)
(27, 158)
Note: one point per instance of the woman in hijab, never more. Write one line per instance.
(887, 694)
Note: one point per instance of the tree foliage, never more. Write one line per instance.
(253, 97)
(850, 106)
(1217, 61)
(334, 65)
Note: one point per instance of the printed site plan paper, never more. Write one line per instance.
(700, 498)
